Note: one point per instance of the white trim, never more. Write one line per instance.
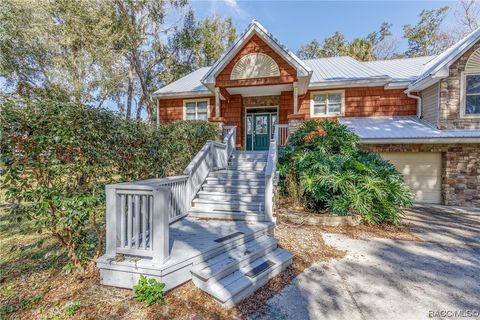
(186, 94)
(438, 67)
(256, 28)
(245, 120)
(374, 82)
(241, 68)
(327, 114)
(419, 140)
(463, 94)
(196, 101)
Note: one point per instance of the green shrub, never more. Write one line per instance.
(325, 168)
(58, 157)
(149, 291)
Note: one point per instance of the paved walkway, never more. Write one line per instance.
(390, 279)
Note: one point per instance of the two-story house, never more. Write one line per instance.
(422, 114)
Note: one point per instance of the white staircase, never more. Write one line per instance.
(234, 193)
(238, 193)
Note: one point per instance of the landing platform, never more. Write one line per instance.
(192, 242)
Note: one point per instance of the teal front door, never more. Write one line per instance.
(261, 131)
(259, 127)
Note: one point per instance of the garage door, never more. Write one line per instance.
(422, 173)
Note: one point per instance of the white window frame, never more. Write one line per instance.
(196, 111)
(327, 114)
(463, 95)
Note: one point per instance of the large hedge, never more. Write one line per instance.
(322, 167)
(58, 157)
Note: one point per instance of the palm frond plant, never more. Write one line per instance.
(323, 167)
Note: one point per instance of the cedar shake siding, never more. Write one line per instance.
(359, 102)
(172, 109)
(256, 45)
(369, 102)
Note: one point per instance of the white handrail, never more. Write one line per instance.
(139, 212)
(270, 173)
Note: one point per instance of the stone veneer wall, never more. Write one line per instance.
(460, 169)
(450, 112)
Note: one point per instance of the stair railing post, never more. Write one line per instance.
(160, 225)
(112, 217)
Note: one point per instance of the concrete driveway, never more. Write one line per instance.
(391, 279)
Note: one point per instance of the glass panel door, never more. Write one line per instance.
(261, 138)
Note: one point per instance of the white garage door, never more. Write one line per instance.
(422, 173)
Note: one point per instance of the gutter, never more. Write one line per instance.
(420, 140)
(349, 83)
(419, 102)
(185, 94)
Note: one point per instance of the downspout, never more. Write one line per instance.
(419, 102)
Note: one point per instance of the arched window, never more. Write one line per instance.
(471, 86)
(255, 65)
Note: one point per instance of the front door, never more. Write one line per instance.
(261, 131)
(260, 125)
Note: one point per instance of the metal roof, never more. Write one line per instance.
(400, 69)
(325, 70)
(189, 83)
(341, 69)
(447, 57)
(412, 128)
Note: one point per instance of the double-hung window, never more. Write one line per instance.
(196, 110)
(325, 104)
(471, 96)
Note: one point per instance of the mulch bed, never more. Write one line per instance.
(184, 302)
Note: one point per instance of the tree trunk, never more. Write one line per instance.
(139, 109)
(128, 114)
(146, 98)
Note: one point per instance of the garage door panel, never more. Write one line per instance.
(422, 173)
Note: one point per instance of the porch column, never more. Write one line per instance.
(217, 102)
(295, 97)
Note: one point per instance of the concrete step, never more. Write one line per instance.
(226, 196)
(230, 261)
(255, 190)
(236, 182)
(234, 215)
(235, 205)
(235, 287)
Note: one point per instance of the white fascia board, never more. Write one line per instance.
(397, 85)
(419, 141)
(426, 82)
(171, 95)
(349, 83)
(302, 69)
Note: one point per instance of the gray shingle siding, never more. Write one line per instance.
(430, 104)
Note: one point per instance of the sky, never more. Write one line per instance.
(298, 22)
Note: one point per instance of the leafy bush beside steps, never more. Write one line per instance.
(322, 167)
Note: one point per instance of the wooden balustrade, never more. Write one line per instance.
(282, 134)
(139, 213)
(270, 175)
